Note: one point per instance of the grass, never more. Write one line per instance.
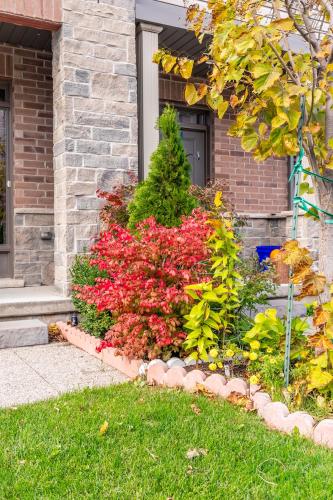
(53, 450)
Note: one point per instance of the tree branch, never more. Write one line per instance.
(307, 35)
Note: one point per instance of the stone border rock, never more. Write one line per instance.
(172, 374)
(89, 344)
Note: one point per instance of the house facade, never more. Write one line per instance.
(79, 99)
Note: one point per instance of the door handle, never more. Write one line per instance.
(198, 155)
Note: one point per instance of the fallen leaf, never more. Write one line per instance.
(195, 409)
(104, 427)
(195, 452)
(189, 470)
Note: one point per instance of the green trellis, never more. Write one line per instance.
(311, 209)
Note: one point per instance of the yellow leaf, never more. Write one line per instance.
(320, 316)
(284, 24)
(104, 427)
(249, 141)
(278, 121)
(222, 108)
(313, 284)
(191, 95)
(202, 59)
(218, 199)
(293, 255)
(262, 129)
(185, 67)
(168, 62)
(318, 379)
(234, 101)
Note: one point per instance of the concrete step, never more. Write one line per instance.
(34, 302)
(11, 283)
(19, 333)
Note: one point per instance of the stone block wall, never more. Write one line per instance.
(34, 249)
(268, 229)
(95, 121)
(29, 76)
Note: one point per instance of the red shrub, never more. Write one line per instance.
(147, 272)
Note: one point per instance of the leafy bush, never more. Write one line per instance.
(258, 284)
(265, 344)
(165, 193)
(84, 273)
(212, 317)
(143, 283)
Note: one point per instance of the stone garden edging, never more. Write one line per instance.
(173, 375)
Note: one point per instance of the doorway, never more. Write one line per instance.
(5, 186)
(194, 125)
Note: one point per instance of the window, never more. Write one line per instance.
(4, 167)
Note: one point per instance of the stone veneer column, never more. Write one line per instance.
(95, 117)
(147, 44)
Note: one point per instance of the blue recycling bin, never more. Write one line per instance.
(265, 251)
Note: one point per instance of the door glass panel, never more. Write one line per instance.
(3, 169)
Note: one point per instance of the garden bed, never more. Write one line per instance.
(236, 390)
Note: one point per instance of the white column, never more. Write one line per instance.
(147, 44)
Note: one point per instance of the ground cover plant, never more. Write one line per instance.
(55, 449)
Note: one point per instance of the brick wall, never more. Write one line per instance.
(253, 187)
(31, 12)
(29, 75)
(32, 128)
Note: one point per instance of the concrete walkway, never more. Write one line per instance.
(29, 374)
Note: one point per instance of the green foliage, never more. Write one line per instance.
(265, 345)
(92, 321)
(165, 192)
(212, 316)
(268, 336)
(254, 69)
(258, 283)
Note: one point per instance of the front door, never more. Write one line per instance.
(5, 184)
(194, 144)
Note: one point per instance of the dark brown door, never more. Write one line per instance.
(5, 188)
(194, 144)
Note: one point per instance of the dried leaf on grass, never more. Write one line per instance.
(195, 452)
(195, 409)
(239, 400)
(201, 389)
(104, 428)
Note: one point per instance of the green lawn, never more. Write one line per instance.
(53, 450)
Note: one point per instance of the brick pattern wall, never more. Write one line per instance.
(253, 187)
(48, 10)
(32, 128)
(95, 103)
(29, 76)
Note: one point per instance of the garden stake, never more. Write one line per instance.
(295, 174)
